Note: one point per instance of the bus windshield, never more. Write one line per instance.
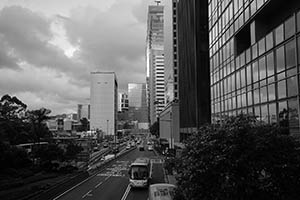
(139, 173)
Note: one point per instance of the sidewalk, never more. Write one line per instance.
(168, 178)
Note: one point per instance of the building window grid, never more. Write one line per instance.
(267, 88)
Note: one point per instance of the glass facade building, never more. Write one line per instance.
(193, 65)
(254, 60)
(138, 109)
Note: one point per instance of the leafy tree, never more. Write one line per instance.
(72, 151)
(240, 159)
(38, 120)
(84, 124)
(12, 115)
(49, 153)
(154, 129)
(126, 125)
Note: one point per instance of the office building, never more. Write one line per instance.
(123, 103)
(193, 62)
(138, 109)
(155, 61)
(169, 117)
(83, 111)
(104, 102)
(254, 59)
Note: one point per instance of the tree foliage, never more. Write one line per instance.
(72, 151)
(240, 159)
(154, 129)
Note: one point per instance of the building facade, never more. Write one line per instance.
(123, 103)
(254, 59)
(104, 102)
(155, 60)
(138, 109)
(193, 62)
(83, 111)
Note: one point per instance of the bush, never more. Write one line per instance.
(241, 159)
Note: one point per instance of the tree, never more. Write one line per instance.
(240, 159)
(84, 124)
(72, 151)
(38, 120)
(12, 119)
(154, 129)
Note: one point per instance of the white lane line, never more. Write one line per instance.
(126, 192)
(87, 194)
(98, 184)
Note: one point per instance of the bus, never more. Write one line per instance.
(30, 146)
(140, 172)
(161, 191)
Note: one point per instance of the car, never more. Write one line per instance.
(148, 142)
(132, 144)
(115, 150)
(150, 148)
(128, 147)
(141, 148)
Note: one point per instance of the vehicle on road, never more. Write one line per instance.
(161, 191)
(115, 150)
(128, 147)
(140, 172)
(141, 148)
(150, 147)
(105, 145)
(148, 142)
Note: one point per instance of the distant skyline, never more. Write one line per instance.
(49, 48)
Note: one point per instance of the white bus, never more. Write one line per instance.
(161, 191)
(29, 146)
(140, 172)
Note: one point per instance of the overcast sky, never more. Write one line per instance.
(49, 47)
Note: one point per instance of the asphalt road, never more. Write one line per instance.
(112, 182)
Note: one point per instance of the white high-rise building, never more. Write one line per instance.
(104, 102)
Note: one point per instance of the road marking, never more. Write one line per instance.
(87, 194)
(98, 184)
(126, 192)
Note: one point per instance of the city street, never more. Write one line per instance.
(113, 183)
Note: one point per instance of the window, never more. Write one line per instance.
(279, 34)
(283, 114)
(271, 92)
(257, 112)
(261, 46)
(254, 51)
(269, 41)
(290, 53)
(249, 75)
(270, 64)
(250, 102)
(263, 94)
(262, 68)
(298, 21)
(256, 96)
(292, 86)
(272, 113)
(264, 113)
(280, 59)
(281, 89)
(293, 116)
(289, 27)
(255, 71)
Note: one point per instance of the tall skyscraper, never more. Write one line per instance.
(83, 111)
(254, 59)
(104, 102)
(138, 108)
(155, 60)
(123, 103)
(194, 79)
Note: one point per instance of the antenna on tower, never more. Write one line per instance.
(157, 2)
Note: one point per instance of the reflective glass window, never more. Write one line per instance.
(269, 41)
(280, 59)
(298, 21)
(248, 55)
(253, 7)
(261, 46)
(263, 94)
(290, 53)
(257, 112)
(281, 76)
(264, 113)
(256, 96)
(270, 64)
(249, 75)
(283, 114)
(238, 81)
(249, 96)
(272, 113)
(243, 78)
(255, 71)
(281, 89)
(291, 72)
(279, 34)
(244, 100)
(271, 92)
(289, 27)
(254, 51)
(239, 101)
(262, 68)
(293, 116)
(292, 86)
